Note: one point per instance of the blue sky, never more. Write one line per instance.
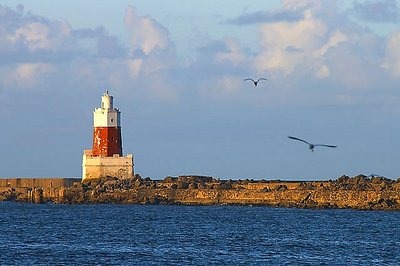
(176, 70)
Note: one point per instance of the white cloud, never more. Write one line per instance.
(234, 53)
(35, 35)
(134, 67)
(152, 55)
(146, 34)
(229, 84)
(46, 35)
(286, 45)
(392, 56)
(43, 54)
(334, 39)
(27, 75)
(221, 88)
(28, 72)
(322, 72)
(304, 43)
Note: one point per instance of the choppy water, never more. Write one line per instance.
(167, 235)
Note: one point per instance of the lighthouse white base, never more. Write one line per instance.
(99, 167)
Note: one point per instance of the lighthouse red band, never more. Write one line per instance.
(107, 139)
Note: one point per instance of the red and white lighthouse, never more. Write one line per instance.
(106, 158)
(107, 139)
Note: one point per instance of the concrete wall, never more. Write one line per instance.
(37, 182)
(98, 167)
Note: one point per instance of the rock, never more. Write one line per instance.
(226, 185)
(396, 186)
(307, 186)
(193, 186)
(201, 185)
(359, 179)
(345, 192)
(281, 188)
(182, 185)
(343, 179)
(216, 186)
(170, 179)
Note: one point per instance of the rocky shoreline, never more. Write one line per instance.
(359, 192)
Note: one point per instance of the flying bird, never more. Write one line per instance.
(255, 82)
(310, 145)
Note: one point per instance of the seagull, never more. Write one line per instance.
(312, 146)
(255, 82)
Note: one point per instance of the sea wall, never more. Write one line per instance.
(35, 190)
(37, 182)
(360, 192)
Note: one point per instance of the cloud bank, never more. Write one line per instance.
(304, 42)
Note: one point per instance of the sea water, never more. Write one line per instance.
(195, 235)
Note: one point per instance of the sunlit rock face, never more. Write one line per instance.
(359, 192)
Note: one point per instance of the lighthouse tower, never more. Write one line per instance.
(106, 158)
(107, 129)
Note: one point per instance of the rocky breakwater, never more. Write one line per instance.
(359, 192)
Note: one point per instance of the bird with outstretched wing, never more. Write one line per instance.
(312, 146)
(255, 82)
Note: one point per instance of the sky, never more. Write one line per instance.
(176, 70)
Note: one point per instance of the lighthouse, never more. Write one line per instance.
(105, 159)
(107, 128)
